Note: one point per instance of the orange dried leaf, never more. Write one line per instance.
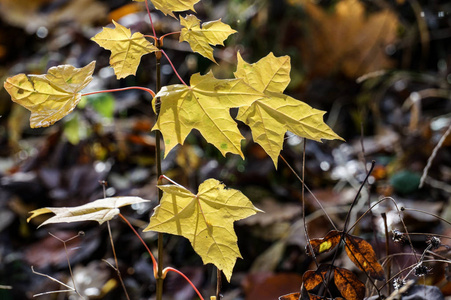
(348, 284)
(292, 296)
(312, 279)
(363, 256)
(325, 244)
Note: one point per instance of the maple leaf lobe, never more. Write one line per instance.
(270, 117)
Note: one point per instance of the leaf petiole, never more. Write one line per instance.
(150, 19)
(166, 270)
(167, 34)
(154, 261)
(173, 68)
(122, 89)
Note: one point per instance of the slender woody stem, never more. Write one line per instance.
(115, 261)
(218, 284)
(158, 158)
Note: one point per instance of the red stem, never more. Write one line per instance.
(142, 241)
(165, 271)
(151, 36)
(150, 18)
(173, 68)
(167, 34)
(122, 89)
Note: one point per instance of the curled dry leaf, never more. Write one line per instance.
(100, 210)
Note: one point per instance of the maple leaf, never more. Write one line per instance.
(204, 106)
(272, 116)
(205, 219)
(169, 6)
(200, 38)
(126, 49)
(100, 210)
(51, 96)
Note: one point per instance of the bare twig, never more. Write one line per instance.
(434, 153)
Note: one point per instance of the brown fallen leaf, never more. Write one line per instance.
(325, 244)
(363, 256)
(350, 287)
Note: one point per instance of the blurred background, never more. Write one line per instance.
(381, 69)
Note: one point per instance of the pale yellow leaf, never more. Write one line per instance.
(169, 6)
(200, 38)
(126, 49)
(205, 219)
(272, 116)
(100, 210)
(270, 74)
(204, 106)
(51, 96)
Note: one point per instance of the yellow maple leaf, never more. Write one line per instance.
(272, 116)
(205, 219)
(51, 96)
(204, 106)
(169, 6)
(100, 210)
(126, 49)
(200, 38)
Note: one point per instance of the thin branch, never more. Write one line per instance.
(115, 260)
(310, 192)
(67, 257)
(434, 153)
